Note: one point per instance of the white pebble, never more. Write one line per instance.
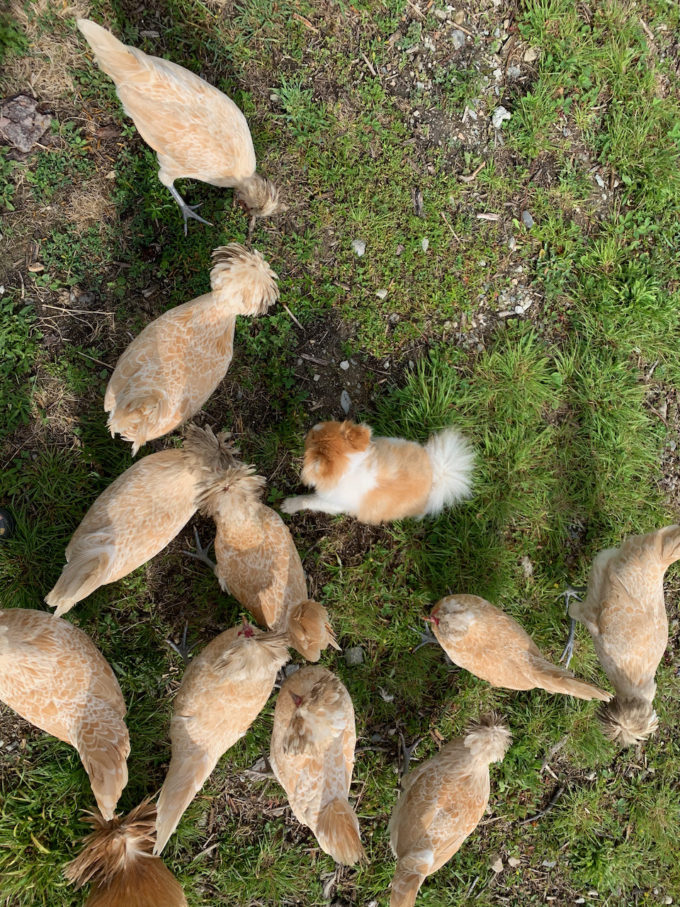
(359, 247)
(344, 365)
(425, 243)
(499, 115)
(381, 294)
(345, 402)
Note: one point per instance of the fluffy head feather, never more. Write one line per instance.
(628, 721)
(309, 630)
(328, 447)
(236, 487)
(118, 861)
(205, 451)
(259, 196)
(488, 740)
(318, 715)
(254, 652)
(244, 278)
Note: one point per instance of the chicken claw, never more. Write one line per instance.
(188, 211)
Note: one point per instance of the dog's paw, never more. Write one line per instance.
(291, 505)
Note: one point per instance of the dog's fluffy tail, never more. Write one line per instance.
(452, 459)
(117, 860)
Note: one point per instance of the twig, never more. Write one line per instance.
(475, 173)
(369, 64)
(551, 803)
(446, 221)
(293, 317)
(306, 23)
(488, 217)
(464, 30)
(60, 308)
(98, 361)
(313, 359)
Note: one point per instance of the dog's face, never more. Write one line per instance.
(328, 448)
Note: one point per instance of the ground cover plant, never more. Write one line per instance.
(521, 282)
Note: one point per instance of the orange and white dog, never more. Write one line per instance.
(382, 479)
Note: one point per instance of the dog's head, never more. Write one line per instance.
(328, 447)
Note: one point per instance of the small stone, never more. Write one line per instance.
(531, 54)
(458, 39)
(394, 318)
(381, 294)
(499, 115)
(527, 220)
(519, 310)
(398, 251)
(354, 656)
(512, 244)
(514, 72)
(345, 402)
(428, 43)
(359, 247)
(36, 267)
(344, 365)
(386, 363)
(482, 263)
(549, 864)
(514, 862)
(2, 290)
(668, 899)
(317, 377)
(425, 243)
(600, 182)
(580, 901)
(387, 697)
(20, 123)
(497, 865)
(441, 14)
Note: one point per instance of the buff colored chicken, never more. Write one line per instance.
(223, 691)
(490, 644)
(196, 131)
(171, 369)
(53, 675)
(625, 613)
(258, 563)
(137, 516)
(118, 862)
(312, 756)
(441, 804)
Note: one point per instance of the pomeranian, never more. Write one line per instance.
(382, 479)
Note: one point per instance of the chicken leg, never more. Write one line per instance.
(569, 593)
(188, 211)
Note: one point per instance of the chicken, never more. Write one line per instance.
(117, 860)
(441, 803)
(223, 691)
(312, 756)
(53, 675)
(381, 479)
(490, 644)
(137, 516)
(196, 131)
(625, 613)
(258, 563)
(170, 370)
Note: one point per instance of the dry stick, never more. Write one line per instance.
(98, 361)
(293, 317)
(446, 221)
(551, 803)
(475, 173)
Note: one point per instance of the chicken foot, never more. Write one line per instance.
(569, 593)
(182, 649)
(405, 753)
(201, 553)
(429, 639)
(188, 211)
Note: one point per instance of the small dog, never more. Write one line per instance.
(382, 479)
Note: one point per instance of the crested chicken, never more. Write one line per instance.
(441, 804)
(223, 691)
(625, 613)
(137, 516)
(117, 861)
(258, 563)
(490, 644)
(196, 131)
(53, 675)
(171, 369)
(381, 479)
(312, 757)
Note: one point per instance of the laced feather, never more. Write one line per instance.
(320, 716)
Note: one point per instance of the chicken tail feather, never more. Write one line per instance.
(452, 460)
(84, 573)
(555, 679)
(103, 743)
(137, 420)
(310, 631)
(488, 740)
(670, 536)
(118, 862)
(189, 768)
(118, 61)
(628, 721)
(405, 887)
(244, 278)
(338, 832)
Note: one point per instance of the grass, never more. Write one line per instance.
(572, 406)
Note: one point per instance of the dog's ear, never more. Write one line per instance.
(357, 436)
